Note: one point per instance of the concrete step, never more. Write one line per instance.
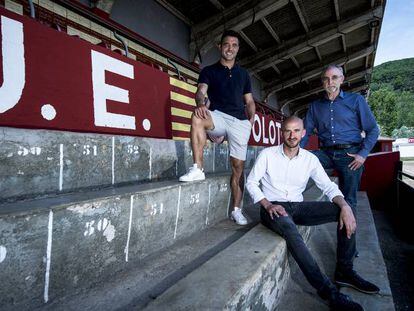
(251, 274)
(53, 247)
(146, 279)
(370, 264)
(113, 248)
(39, 162)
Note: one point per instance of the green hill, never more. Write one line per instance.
(398, 74)
(392, 97)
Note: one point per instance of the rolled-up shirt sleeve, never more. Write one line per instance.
(256, 174)
(369, 125)
(323, 182)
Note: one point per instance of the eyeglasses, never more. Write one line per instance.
(333, 78)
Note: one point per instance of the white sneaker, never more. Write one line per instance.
(238, 217)
(194, 173)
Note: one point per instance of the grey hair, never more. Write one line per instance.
(332, 66)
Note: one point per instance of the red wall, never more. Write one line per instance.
(50, 80)
(379, 178)
(313, 143)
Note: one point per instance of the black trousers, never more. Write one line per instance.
(311, 214)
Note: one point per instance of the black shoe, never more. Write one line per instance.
(352, 279)
(341, 302)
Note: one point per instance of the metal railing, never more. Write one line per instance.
(401, 174)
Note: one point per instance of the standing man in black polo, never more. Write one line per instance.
(225, 107)
(339, 118)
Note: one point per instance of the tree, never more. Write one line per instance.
(383, 103)
(392, 96)
(403, 132)
(405, 109)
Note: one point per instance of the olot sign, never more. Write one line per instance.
(265, 131)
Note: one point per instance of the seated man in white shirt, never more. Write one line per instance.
(283, 172)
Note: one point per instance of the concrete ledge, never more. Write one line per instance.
(251, 274)
(39, 162)
(370, 262)
(132, 289)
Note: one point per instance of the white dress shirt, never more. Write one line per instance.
(285, 179)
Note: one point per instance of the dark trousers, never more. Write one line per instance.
(310, 214)
(349, 180)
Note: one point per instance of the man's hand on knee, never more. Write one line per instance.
(202, 112)
(347, 219)
(276, 210)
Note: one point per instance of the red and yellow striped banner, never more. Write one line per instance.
(182, 106)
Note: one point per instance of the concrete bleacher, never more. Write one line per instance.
(143, 241)
(42, 162)
(79, 208)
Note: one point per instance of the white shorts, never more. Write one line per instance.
(236, 131)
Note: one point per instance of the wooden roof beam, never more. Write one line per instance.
(301, 15)
(217, 4)
(372, 39)
(275, 55)
(344, 43)
(271, 30)
(295, 62)
(276, 69)
(337, 14)
(248, 41)
(318, 53)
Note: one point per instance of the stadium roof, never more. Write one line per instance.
(286, 43)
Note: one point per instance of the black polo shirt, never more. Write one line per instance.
(226, 88)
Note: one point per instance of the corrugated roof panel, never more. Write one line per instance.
(307, 58)
(347, 8)
(268, 75)
(286, 66)
(331, 47)
(359, 36)
(356, 64)
(319, 12)
(286, 22)
(259, 35)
